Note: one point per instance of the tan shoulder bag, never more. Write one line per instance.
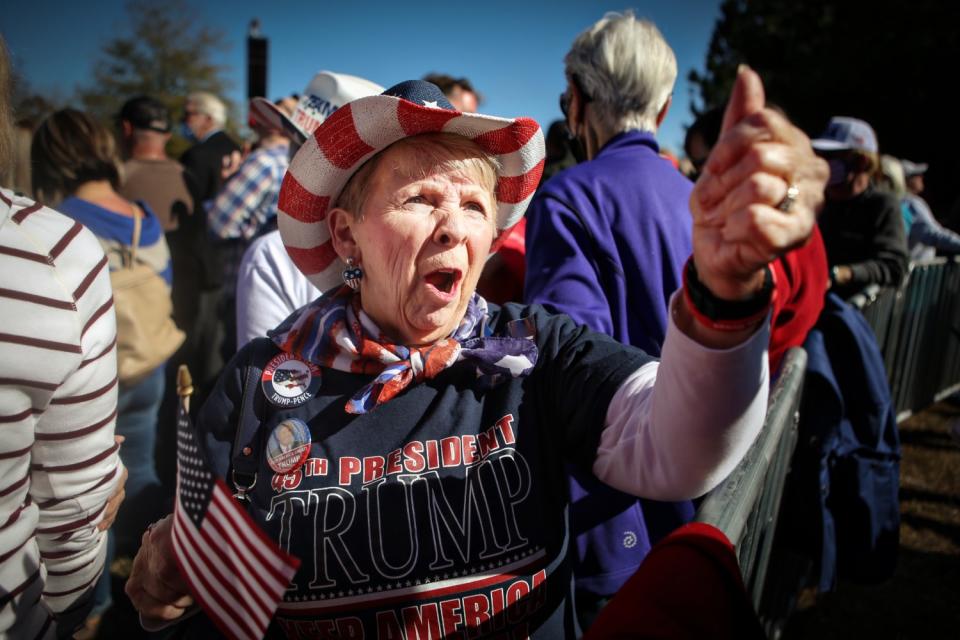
(146, 333)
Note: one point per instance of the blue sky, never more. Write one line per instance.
(511, 51)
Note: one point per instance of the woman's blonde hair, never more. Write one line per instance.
(69, 149)
(433, 152)
(891, 175)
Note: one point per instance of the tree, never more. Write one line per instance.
(878, 60)
(167, 53)
(29, 106)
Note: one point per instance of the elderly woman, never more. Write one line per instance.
(431, 493)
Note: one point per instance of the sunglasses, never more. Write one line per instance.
(565, 96)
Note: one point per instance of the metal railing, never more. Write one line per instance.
(918, 330)
(745, 506)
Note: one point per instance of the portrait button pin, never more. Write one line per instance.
(289, 445)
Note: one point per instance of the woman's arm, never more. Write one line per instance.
(676, 428)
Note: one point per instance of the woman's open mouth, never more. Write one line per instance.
(445, 281)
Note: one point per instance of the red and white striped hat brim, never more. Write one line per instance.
(354, 133)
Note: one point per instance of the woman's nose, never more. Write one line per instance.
(450, 229)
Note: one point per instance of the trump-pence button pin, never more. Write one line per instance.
(288, 381)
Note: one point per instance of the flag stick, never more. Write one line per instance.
(184, 386)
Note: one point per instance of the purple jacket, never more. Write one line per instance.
(607, 239)
(606, 243)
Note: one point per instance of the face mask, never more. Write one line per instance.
(576, 146)
(838, 172)
(578, 151)
(187, 132)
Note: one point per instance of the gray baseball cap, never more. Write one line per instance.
(847, 133)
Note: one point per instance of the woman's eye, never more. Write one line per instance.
(416, 200)
(475, 206)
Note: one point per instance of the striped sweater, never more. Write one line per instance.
(58, 401)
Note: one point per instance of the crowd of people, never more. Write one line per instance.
(510, 365)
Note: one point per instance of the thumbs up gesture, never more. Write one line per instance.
(758, 195)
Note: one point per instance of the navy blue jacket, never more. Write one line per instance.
(843, 494)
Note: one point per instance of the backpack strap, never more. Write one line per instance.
(246, 444)
(137, 227)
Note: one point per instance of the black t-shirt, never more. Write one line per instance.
(441, 510)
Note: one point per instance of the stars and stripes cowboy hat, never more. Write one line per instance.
(354, 133)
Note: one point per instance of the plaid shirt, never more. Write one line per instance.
(246, 207)
(249, 198)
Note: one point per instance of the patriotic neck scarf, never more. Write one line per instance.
(334, 332)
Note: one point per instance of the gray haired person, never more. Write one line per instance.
(606, 242)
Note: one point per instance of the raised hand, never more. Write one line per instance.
(742, 215)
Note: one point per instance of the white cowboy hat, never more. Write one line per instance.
(327, 92)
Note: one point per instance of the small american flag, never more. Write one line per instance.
(236, 573)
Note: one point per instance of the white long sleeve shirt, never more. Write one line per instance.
(680, 437)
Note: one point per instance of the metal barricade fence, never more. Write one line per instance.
(918, 330)
(745, 505)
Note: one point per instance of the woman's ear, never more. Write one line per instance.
(664, 110)
(577, 107)
(340, 222)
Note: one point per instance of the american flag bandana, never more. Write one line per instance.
(236, 573)
(335, 332)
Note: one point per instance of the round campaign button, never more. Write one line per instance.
(288, 446)
(288, 381)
